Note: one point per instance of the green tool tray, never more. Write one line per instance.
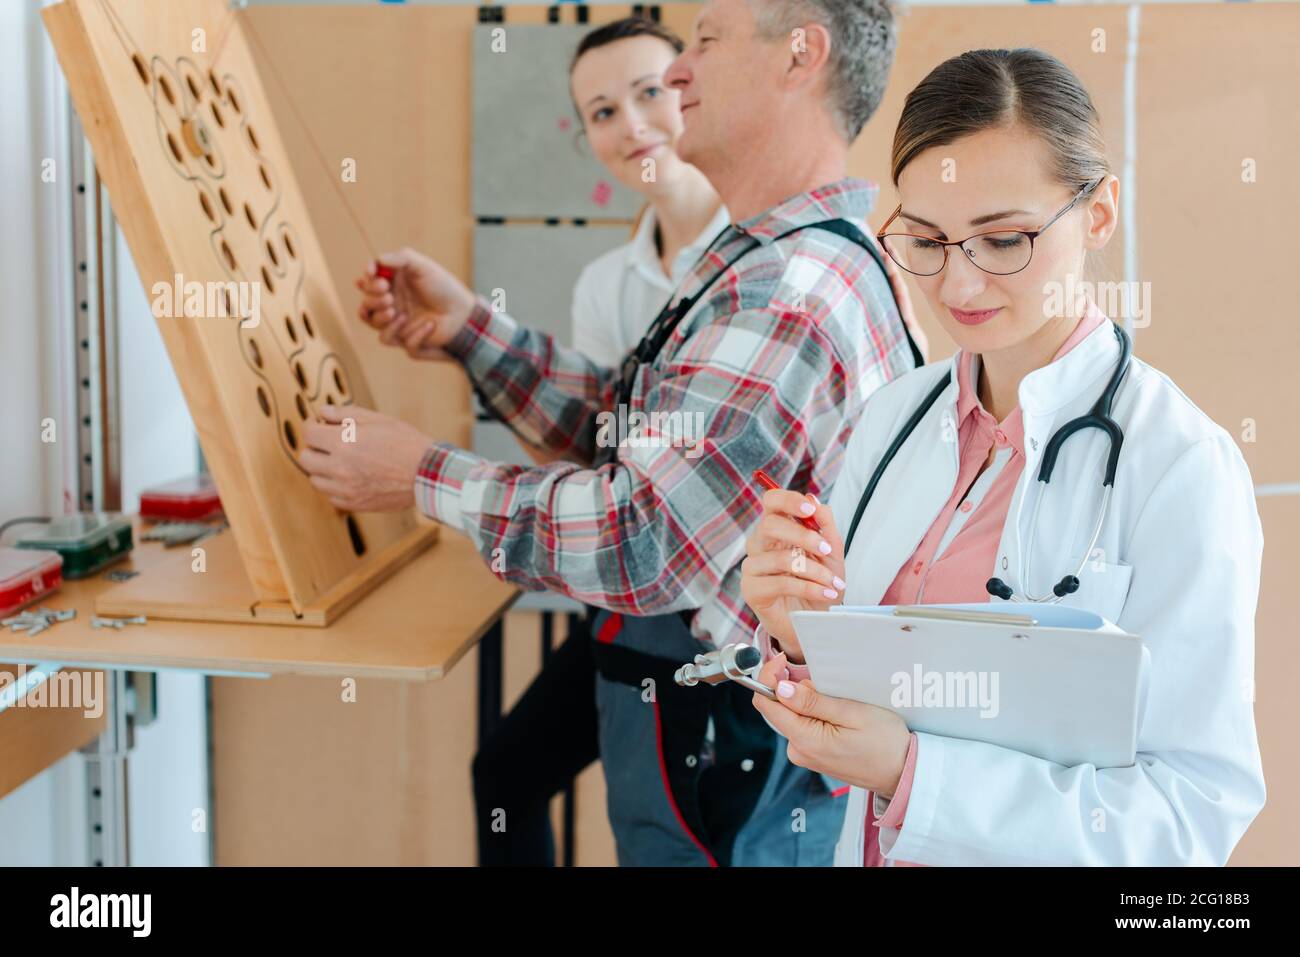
(88, 541)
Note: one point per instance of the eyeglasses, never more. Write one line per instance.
(999, 252)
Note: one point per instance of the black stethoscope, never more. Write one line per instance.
(1098, 418)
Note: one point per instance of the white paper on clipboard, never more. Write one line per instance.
(1069, 688)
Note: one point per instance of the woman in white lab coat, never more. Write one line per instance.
(1000, 152)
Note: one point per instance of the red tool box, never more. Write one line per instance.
(26, 575)
(188, 499)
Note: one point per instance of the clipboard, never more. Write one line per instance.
(1051, 681)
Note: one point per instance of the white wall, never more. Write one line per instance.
(30, 378)
(43, 822)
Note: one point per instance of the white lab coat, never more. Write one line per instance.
(1177, 563)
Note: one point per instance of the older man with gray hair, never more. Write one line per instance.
(773, 344)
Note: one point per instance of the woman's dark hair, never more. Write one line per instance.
(625, 29)
(988, 89)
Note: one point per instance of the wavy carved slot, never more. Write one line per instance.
(201, 181)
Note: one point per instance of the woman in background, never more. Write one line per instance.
(631, 122)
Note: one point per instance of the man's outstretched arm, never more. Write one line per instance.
(658, 530)
(549, 394)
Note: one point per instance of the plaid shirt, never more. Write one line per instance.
(770, 370)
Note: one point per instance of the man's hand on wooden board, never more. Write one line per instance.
(362, 460)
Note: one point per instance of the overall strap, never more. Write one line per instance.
(842, 227)
(661, 330)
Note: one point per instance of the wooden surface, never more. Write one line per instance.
(32, 739)
(402, 117)
(230, 211)
(175, 589)
(414, 627)
(304, 777)
(1216, 248)
(1222, 324)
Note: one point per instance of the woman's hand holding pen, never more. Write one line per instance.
(790, 567)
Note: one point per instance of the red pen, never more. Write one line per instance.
(765, 480)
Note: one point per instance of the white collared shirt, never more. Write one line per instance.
(619, 294)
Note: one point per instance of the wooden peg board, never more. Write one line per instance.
(184, 138)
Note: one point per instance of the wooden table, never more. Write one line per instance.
(415, 626)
